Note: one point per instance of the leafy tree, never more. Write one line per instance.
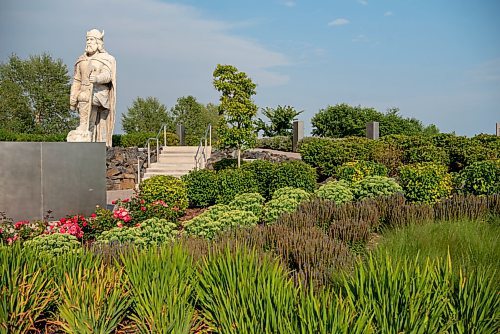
(281, 119)
(34, 95)
(146, 115)
(194, 116)
(342, 120)
(237, 110)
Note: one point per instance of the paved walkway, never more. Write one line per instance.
(113, 195)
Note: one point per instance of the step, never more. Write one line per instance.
(182, 149)
(177, 159)
(172, 166)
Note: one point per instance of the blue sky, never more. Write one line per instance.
(436, 60)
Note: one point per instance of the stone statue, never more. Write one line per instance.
(93, 92)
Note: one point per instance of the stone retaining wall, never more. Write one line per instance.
(121, 166)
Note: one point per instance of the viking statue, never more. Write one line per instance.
(93, 92)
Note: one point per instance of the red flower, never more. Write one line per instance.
(93, 215)
(126, 200)
(143, 208)
(113, 202)
(84, 224)
(138, 225)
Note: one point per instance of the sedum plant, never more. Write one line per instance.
(375, 186)
(54, 244)
(335, 191)
(252, 202)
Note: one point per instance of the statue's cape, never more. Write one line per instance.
(110, 62)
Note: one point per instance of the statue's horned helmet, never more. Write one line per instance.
(96, 34)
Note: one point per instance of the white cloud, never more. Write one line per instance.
(360, 38)
(363, 2)
(388, 13)
(289, 3)
(338, 22)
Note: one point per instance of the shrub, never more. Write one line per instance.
(139, 139)
(425, 182)
(263, 171)
(54, 244)
(252, 202)
(279, 143)
(31, 137)
(296, 194)
(336, 191)
(326, 154)
(296, 174)
(169, 190)
(276, 207)
(156, 231)
(356, 170)
(217, 219)
(231, 182)
(226, 163)
(464, 151)
(426, 153)
(374, 186)
(201, 187)
(121, 235)
(481, 178)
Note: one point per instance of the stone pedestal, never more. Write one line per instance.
(297, 135)
(66, 178)
(372, 130)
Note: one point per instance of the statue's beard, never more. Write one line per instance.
(90, 49)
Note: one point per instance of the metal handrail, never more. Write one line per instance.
(200, 158)
(148, 145)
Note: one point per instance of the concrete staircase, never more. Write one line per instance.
(175, 161)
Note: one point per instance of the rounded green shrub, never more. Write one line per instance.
(139, 139)
(156, 231)
(374, 186)
(168, 189)
(278, 206)
(279, 143)
(296, 174)
(231, 182)
(336, 191)
(426, 153)
(263, 171)
(217, 219)
(201, 187)
(54, 244)
(252, 202)
(354, 171)
(296, 194)
(481, 178)
(121, 235)
(425, 182)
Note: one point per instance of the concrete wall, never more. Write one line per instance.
(66, 178)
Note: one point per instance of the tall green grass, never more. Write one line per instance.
(471, 244)
(26, 289)
(162, 284)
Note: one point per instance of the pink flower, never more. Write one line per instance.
(84, 224)
(62, 220)
(93, 215)
(126, 200)
(119, 224)
(143, 208)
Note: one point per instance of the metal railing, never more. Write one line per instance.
(200, 159)
(148, 146)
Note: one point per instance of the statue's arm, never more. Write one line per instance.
(104, 76)
(75, 87)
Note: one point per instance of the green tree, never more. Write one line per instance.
(343, 120)
(281, 119)
(34, 95)
(237, 110)
(195, 117)
(146, 115)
